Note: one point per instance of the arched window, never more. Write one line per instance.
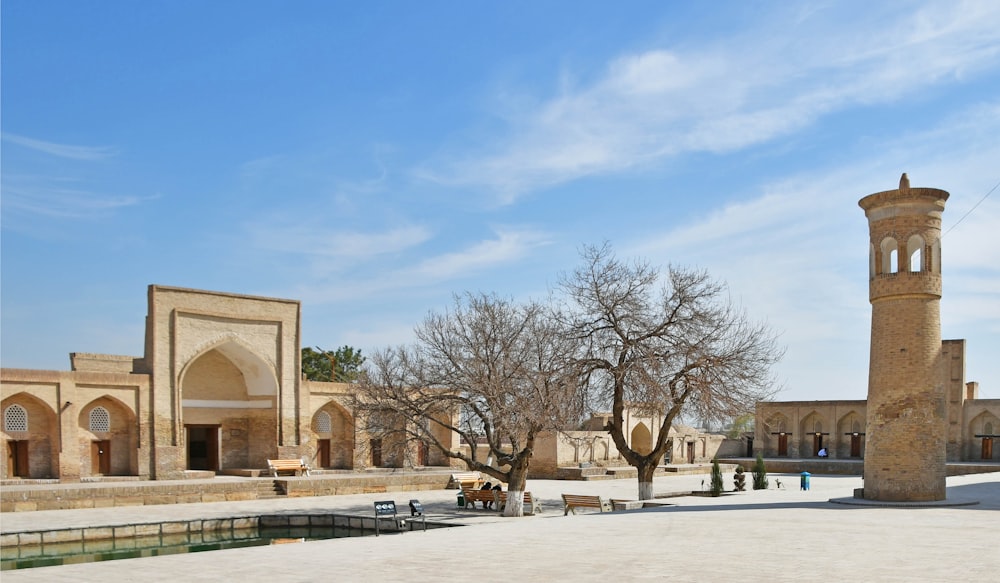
(856, 427)
(323, 422)
(100, 420)
(15, 418)
(988, 428)
(871, 261)
(890, 255)
(818, 427)
(915, 248)
(936, 256)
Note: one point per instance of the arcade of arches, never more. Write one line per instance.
(802, 429)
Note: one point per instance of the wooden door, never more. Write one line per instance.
(17, 459)
(783, 444)
(817, 444)
(376, 447)
(324, 453)
(855, 445)
(100, 458)
(987, 448)
(690, 452)
(422, 451)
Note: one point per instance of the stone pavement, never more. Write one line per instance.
(772, 535)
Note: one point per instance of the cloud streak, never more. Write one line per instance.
(89, 153)
(39, 196)
(663, 102)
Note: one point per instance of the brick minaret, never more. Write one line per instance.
(906, 427)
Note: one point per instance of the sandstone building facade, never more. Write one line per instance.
(218, 388)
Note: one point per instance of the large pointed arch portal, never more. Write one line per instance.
(228, 399)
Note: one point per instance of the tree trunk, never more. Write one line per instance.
(515, 488)
(646, 471)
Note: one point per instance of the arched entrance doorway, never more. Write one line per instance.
(230, 418)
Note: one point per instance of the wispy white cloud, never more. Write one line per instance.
(506, 248)
(324, 240)
(42, 196)
(742, 91)
(510, 244)
(62, 150)
(795, 252)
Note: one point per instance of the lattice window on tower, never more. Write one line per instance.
(890, 255)
(100, 420)
(323, 422)
(915, 247)
(15, 418)
(871, 261)
(936, 256)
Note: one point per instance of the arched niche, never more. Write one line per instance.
(333, 426)
(641, 439)
(107, 438)
(32, 453)
(915, 252)
(890, 255)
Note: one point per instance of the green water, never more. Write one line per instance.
(28, 556)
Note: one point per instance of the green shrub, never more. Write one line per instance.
(717, 486)
(759, 474)
(739, 480)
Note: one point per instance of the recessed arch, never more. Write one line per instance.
(108, 438)
(890, 255)
(34, 452)
(258, 373)
(333, 425)
(641, 439)
(915, 252)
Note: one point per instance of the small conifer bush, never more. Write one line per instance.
(717, 486)
(739, 480)
(759, 474)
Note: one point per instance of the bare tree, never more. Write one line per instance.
(663, 348)
(489, 370)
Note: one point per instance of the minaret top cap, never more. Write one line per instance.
(905, 193)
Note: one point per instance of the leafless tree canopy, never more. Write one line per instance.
(506, 367)
(664, 346)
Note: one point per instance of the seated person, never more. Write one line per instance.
(822, 452)
(485, 487)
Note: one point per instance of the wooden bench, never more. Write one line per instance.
(531, 504)
(472, 496)
(463, 480)
(297, 467)
(574, 501)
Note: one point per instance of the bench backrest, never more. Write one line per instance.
(285, 463)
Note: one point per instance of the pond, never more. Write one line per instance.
(88, 551)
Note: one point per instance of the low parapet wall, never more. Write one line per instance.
(25, 498)
(842, 467)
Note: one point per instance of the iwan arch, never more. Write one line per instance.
(218, 388)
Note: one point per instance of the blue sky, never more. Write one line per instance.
(372, 159)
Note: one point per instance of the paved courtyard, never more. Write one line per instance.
(773, 535)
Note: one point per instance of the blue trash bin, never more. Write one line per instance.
(804, 481)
